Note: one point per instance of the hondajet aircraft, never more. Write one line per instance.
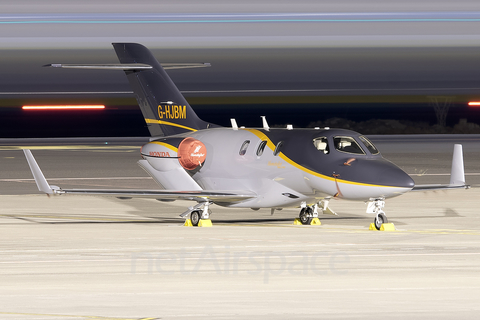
(247, 168)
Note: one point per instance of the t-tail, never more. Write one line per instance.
(164, 108)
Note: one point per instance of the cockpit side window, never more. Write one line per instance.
(261, 147)
(321, 144)
(278, 148)
(244, 147)
(348, 145)
(370, 146)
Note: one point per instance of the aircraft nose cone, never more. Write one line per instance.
(396, 177)
(382, 172)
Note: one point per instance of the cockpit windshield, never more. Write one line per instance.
(369, 145)
(321, 143)
(348, 145)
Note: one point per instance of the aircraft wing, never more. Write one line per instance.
(431, 187)
(203, 195)
(457, 175)
(196, 195)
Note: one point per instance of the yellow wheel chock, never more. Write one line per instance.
(201, 223)
(205, 223)
(384, 227)
(314, 222)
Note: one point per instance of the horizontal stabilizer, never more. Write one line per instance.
(121, 66)
(127, 66)
(169, 66)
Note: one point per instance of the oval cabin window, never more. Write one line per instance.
(278, 148)
(261, 148)
(244, 147)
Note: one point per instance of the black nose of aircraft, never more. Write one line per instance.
(379, 172)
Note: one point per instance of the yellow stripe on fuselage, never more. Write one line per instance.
(166, 145)
(263, 136)
(169, 124)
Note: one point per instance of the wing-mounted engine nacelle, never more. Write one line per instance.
(168, 159)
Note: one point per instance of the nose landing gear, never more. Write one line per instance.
(380, 219)
(375, 206)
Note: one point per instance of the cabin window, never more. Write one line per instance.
(244, 147)
(347, 145)
(369, 145)
(321, 144)
(278, 148)
(261, 147)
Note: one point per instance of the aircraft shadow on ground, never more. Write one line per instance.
(448, 213)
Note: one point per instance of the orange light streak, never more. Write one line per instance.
(65, 107)
(474, 103)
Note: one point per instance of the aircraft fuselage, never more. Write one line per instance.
(283, 167)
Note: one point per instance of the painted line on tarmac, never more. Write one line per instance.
(402, 232)
(72, 316)
(436, 231)
(341, 230)
(201, 257)
(30, 217)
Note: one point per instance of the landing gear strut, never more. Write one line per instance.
(376, 206)
(199, 216)
(309, 214)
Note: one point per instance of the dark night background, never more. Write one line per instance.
(354, 60)
(128, 121)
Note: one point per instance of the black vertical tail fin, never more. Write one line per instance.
(164, 108)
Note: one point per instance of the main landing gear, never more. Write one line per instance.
(309, 214)
(376, 206)
(306, 215)
(199, 215)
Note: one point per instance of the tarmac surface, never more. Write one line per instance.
(104, 258)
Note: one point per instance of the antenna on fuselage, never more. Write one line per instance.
(234, 124)
(265, 124)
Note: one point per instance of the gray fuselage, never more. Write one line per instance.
(295, 166)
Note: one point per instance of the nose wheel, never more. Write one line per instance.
(375, 206)
(380, 219)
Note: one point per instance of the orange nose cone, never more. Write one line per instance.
(191, 153)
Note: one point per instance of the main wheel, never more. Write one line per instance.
(305, 215)
(195, 217)
(379, 220)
